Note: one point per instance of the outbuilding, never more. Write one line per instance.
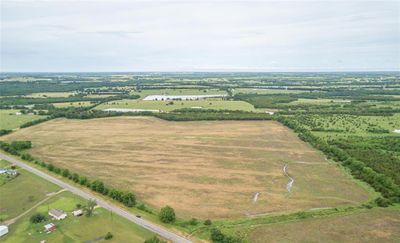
(57, 214)
(77, 213)
(50, 227)
(3, 230)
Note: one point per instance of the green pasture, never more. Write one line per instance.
(22, 192)
(9, 119)
(173, 105)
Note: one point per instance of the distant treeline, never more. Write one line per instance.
(6, 102)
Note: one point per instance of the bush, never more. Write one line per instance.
(382, 202)
(167, 215)
(37, 218)
(193, 221)
(218, 237)
(108, 236)
(207, 222)
(154, 239)
(20, 145)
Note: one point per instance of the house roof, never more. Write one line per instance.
(56, 212)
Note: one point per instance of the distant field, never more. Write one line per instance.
(9, 120)
(147, 92)
(21, 193)
(76, 104)
(266, 91)
(75, 229)
(202, 169)
(374, 225)
(167, 106)
(50, 94)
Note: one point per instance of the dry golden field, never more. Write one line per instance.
(374, 225)
(205, 169)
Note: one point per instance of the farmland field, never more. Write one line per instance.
(215, 104)
(375, 225)
(206, 169)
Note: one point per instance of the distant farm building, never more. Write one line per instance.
(57, 214)
(3, 230)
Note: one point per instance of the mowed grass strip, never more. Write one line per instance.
(205, 169)
(374, 225)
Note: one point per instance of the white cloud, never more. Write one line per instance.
(195, 35)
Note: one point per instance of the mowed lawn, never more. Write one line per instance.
(75, 229)
(215, 104)
(374, 225)
(22, 192)
(205, 169)
(9, 120)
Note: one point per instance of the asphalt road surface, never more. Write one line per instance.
(115, 209)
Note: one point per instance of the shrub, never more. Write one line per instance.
(382, 202)
(108, 236)
(37, 218)
(154, 239)
(167, 215)
(207, 222)
(193, 221)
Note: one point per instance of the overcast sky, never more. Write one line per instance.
(199, 36)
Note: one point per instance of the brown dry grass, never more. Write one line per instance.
(207, 169)
(375, 225)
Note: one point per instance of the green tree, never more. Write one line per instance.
(91, 203)
(167, 215)
(37, 218)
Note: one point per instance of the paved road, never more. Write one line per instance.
(115, 209)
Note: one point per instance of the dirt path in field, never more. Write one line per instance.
(50, 195)
(256, 197)
(291, 180)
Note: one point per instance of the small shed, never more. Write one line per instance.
(3, 230)
(57, 214)
(78, 212)
(50, 227)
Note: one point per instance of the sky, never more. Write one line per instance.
(242, 36)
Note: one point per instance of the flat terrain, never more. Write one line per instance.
(21, 193)
(144, 93)
(75, 229)
(215, 104)
(9, 120)
(75, 104)
(207, 169)
(375, 225)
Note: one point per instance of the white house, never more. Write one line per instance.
(57, 214)
(3, 230)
